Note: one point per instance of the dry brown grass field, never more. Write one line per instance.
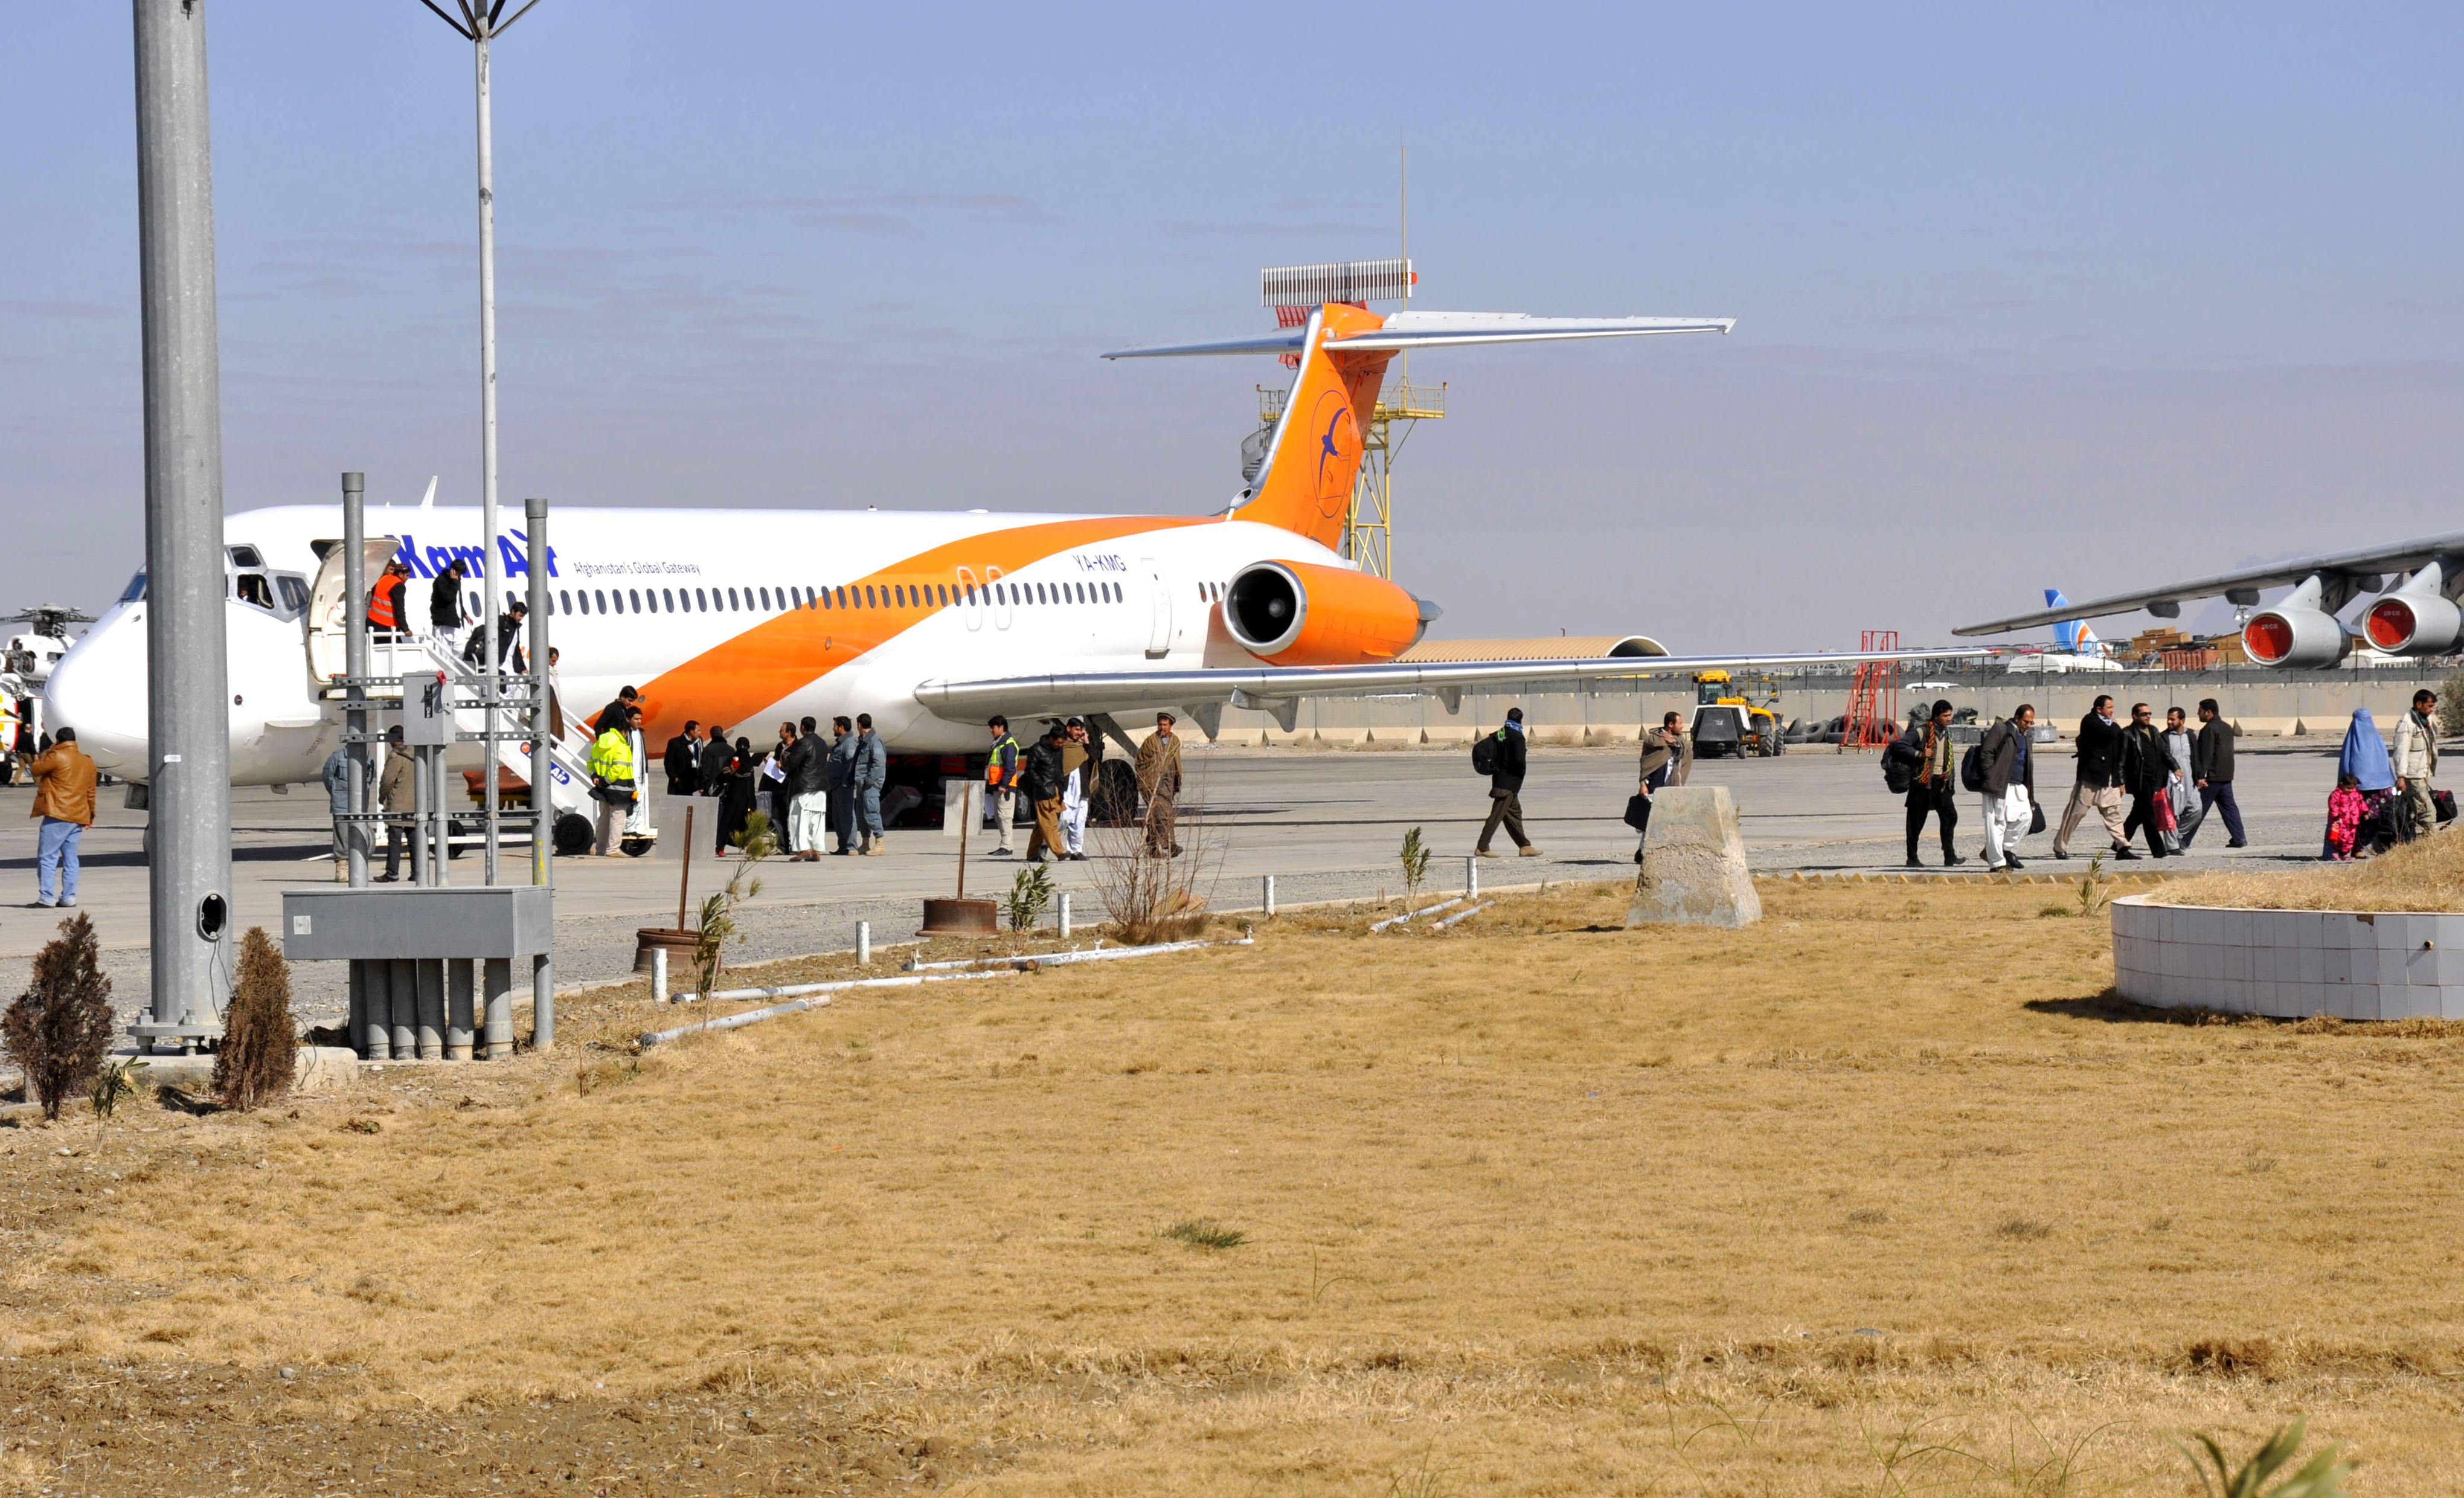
(1878, 1197)
(2426, 875)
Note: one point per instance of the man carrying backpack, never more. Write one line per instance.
(1502, 757)
(1933, 788)
(2006, 776)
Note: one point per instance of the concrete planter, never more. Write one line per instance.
(2288, 964)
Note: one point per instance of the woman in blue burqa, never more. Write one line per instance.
(2365, 759)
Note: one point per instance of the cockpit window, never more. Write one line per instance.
(253, 588)
(294, 594)
(134, 591)
(246, 557)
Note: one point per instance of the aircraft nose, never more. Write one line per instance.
(99, 688)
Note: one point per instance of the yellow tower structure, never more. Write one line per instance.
(1369, 525)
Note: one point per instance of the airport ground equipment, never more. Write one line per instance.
(420, 953)
(1873, 694)
(1729, 721)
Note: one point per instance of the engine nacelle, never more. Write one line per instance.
(1303, 613)
(2407, 624)
(2296, 637)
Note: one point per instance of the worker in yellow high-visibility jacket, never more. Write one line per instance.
(611, 776)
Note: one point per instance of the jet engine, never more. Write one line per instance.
(1303, 613)
(2292, 636)
(2416, 619)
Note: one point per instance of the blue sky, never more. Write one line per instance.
(2070, 296)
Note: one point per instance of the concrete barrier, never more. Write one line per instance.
(2288, 964)
(1694, 869)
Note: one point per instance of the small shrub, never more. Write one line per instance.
(1028, 896)
(1200, 1232)
(260, 1039)
(59, 1030)
(2094, 892)
(1416, 866)
(2055, 912)
(111, 1084)
(718, 925)
(2322, 1477)
(2022, 1228)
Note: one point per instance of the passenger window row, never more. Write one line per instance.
(864, 595)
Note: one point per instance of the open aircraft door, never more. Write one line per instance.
(328, 625)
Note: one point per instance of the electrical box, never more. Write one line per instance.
(426, 711)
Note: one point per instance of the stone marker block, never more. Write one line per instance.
(1694, 863)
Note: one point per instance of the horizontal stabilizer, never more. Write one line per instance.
(1440, 330)
(1457, 329)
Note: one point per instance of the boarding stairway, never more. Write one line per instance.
(391, 659)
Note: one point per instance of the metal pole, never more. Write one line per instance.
(355, 664)
(492, 590)
(187, 715)
(542, 753)
(1270, 896)
(420, 848)
(542, 757)
(864, 943)
(1065, 915)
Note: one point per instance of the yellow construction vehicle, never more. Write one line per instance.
(1728, 720)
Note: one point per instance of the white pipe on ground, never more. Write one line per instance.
(1100, 953)
(795, 1006)
(1462, 915)
(1396, 920)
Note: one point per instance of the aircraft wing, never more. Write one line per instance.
(2242, 587)
(1275, 688)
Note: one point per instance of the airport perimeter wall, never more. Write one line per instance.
(2264, 704)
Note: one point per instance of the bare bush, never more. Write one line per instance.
(58, 1030)
(1150, 893)
(260, 1046)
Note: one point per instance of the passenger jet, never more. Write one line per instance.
(929, 621)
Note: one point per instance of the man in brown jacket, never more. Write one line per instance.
(1160, 779)
(1667, 758)
(64, 800)
(398, 795)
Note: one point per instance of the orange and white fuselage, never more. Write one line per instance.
(736, 617)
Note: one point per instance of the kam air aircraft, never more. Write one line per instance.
(929, 621)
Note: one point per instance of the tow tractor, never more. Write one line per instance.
(1727, 722)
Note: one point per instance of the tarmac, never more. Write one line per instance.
(1327, 825)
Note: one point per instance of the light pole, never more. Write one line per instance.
(480, 25)
(187, 723)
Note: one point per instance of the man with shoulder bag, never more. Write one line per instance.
(1668, 755)
(2007, 780)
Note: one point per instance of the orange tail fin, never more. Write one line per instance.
(1314, 457)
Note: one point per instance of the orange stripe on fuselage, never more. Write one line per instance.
(787, 653)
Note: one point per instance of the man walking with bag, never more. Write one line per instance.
(1933, 789)
(2415, 758)
(1668, 755)
(1504, 758)
(2008, 781)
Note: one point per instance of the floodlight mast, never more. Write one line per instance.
(187, 723)
(480, 25)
